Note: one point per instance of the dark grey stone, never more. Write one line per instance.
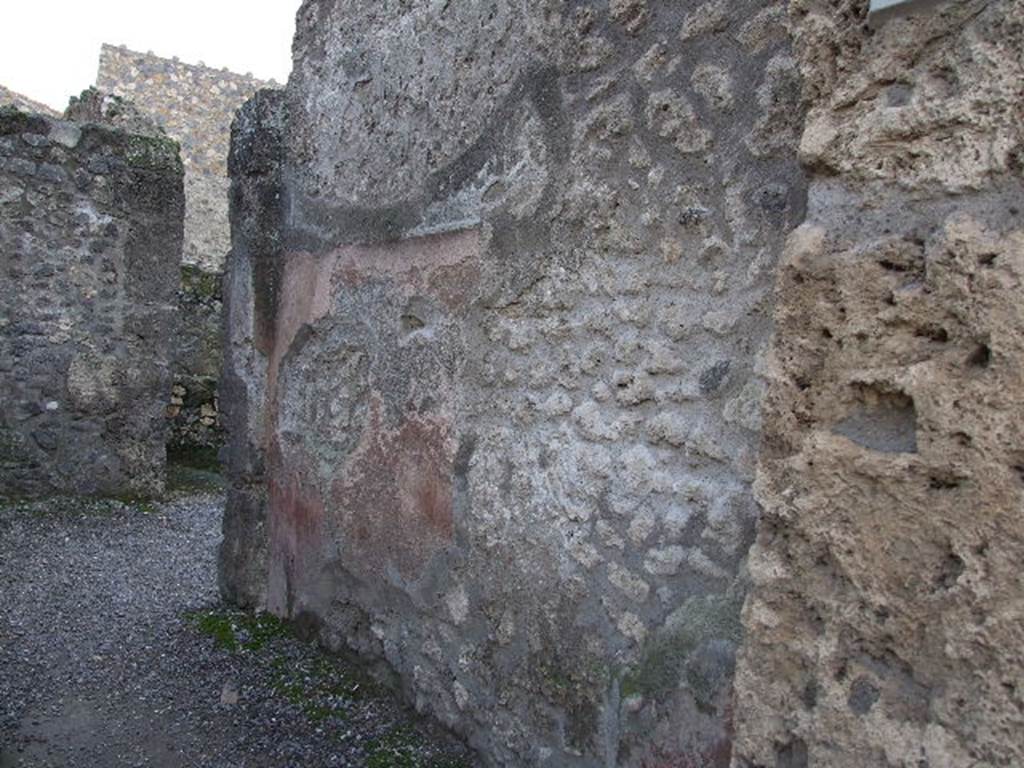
(863, 695)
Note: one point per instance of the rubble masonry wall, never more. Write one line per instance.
(90, 250)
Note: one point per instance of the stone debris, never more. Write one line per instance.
(229, 695)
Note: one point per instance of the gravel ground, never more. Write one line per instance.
(115, 651)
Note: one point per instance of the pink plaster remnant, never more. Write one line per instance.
(305, 298)
(296, 522)
(419, 265)
(444, 265)
(393, 498)
(390, 503)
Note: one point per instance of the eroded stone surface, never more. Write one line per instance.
(885, 623)
(195, 105)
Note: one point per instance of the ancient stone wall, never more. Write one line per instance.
(196, 430)
(886, 624)
(500, 284)
(194, 105)
(90, 249)
(9, 98)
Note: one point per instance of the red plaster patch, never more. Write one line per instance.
(390, 503)
(296, 521)
(393, 498)
(305, 298)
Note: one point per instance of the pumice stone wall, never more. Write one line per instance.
(534, 328)
(90, 250)
(499, 289)
(886, 623)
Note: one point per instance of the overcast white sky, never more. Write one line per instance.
(49, 49)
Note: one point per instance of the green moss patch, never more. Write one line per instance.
(312, 683)
(13, 121)
(663, 660)
(577, 684)
(195, 456)
(185, 479)
(143, 504)
(238, 630)
(330, 690)
(321, 687)
(199, 282)
(153, 153)
(68, 506)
